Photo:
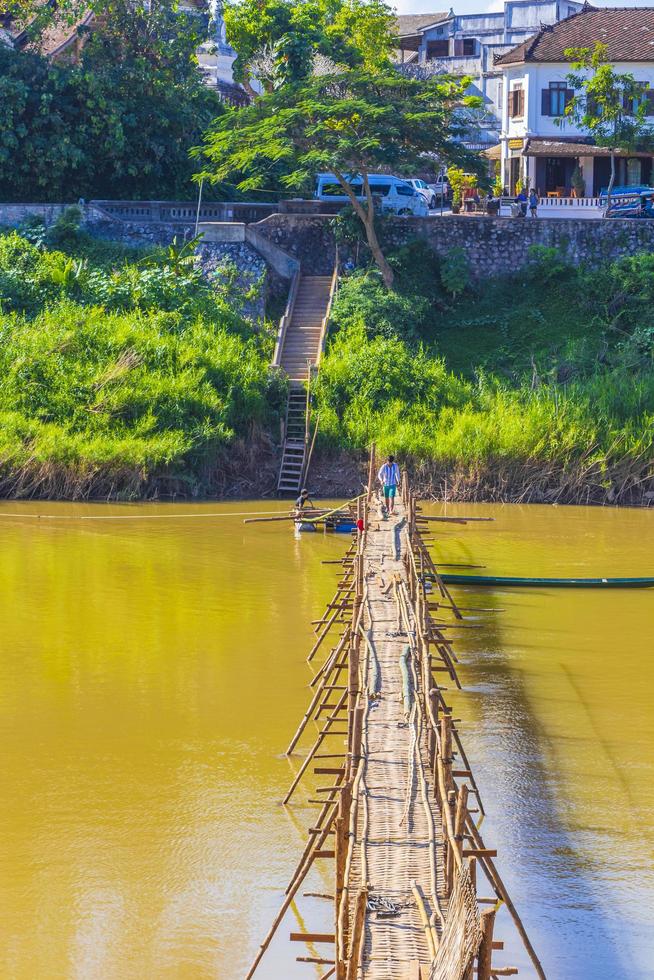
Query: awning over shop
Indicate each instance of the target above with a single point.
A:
(493, 152)
(561, 148)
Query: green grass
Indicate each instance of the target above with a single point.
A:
(125, 374)
(122, 377)
(538, 382)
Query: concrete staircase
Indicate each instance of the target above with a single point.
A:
(302, 338)
(297, 353)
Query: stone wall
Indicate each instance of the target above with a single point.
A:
(12, 214)
(493, 246)
(135, 233)
(500, 246)
(307, 238)
(242, 270)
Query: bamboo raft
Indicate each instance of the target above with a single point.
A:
(395, 821)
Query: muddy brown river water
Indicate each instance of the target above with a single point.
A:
(153, 669)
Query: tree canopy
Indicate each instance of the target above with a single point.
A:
(119, 123)
(278, 40)
(350, 123)
(611, 106)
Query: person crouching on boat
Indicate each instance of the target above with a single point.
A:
(389, 477)
(303, 501)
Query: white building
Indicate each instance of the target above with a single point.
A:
(534, 147)
(468, 44)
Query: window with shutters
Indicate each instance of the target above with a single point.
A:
(555, 99)
(469, 47)
(516, 103)
(633, 102)
(437, 49)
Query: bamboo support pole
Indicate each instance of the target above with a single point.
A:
(485, 954)
(330, 662)
(356, 944)
(301, 873)
(327, 812)
(322, 636)
(309, 712)
(316, 745)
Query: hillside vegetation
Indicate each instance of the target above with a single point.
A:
(122, 375)
(536, 387)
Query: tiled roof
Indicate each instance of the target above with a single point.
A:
(408, 24)
(628, 33)
(536, 147)
(54, 38)
(58, 36)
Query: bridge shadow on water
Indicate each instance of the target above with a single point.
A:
(546, 862)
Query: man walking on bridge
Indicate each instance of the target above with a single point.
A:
(389, 477)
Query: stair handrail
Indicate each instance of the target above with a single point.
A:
(286, 319)
(324, 327)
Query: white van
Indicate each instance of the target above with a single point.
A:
(397, 196)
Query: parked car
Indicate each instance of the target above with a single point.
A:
(397, 195)
(423, 188)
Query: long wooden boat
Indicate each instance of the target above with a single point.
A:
(572, 583)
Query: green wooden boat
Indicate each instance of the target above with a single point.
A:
(547, 583)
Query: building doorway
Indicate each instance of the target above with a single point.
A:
(558, 174)
(514, 174)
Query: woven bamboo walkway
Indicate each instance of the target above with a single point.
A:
(399, 814)
(398, 843)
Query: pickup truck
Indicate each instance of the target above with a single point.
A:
(440, 186)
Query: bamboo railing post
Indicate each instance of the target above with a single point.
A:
(356, 943)
(452, 844)
(355, 741)
(371, 474)
(342, 826)
(433, 744)
(446, 750)
(485, 953)
(460, 816)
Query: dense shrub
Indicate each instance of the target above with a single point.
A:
(113, 374)
(118, 124)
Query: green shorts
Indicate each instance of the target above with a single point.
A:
(389, 491)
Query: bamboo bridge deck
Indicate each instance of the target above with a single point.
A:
(397, 816)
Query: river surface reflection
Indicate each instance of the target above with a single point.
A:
(152, 671)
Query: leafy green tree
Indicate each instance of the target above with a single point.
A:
(119, 123)
(277, 40)
(351, 124)
(611, 106)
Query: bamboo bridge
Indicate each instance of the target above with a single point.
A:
(398, 821)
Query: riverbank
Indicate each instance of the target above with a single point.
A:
(128, 375)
